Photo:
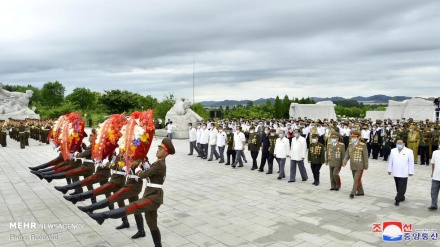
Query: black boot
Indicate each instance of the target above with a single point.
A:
(37, 174)
(124, 224)
(111, 206)
(68, 180)
(156, 238)
(140, 226)
(79, 197)
(54, 176)
(71, 186)
(101, 204)
(113, 214)
(93, 200)
(47, 172)
(78, 190)
(42, 166)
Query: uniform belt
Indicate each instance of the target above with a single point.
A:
(133, 176)
(119, 172)
(21, 132)
(154, 185)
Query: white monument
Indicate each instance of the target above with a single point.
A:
(320, 110)
(15, 105)
(374, 115)
(182, 115)
(415, 108)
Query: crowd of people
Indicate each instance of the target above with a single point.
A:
(328, 142)
(22, 130)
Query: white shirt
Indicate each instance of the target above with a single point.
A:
(282, 148)
(321, 131)
(199, 134)
(170, 128)
(239, 138)
(365, 134)
(192, 134)
(205, 136)
(298, 149)
(213, 136)
(221, 139)
(401, 164)
(436, 161)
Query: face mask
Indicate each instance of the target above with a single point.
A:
(220, 130)
(354, 140)
(399, 146)
(189, 127)
(266, 132)
(314, 140)
(432, 129)
(204, 127)
(227, 133)
(334, 141)
(251, 131)
(295, 135)
(280, 135)
(238, 131)
(272, 134)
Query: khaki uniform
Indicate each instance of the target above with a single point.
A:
(3, 134)
(413, 144)
(334, 158)
(358, 156)
(22, 136)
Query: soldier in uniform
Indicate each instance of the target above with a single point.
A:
(413, 142)
(230, 142)
(357, 153)
(387, 143)
(334, 159)
(26, 133)
(265, 143)
(21, 130)
(425, 141)
(153, 195)
(316, 157)
(3, 134)
(435, 133)
(271, 148)
(254, 143)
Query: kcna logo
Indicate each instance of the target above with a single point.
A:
(394, 231)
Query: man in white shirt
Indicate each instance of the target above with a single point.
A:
(281, 152)
(298, 152)
(192, 133)
(204, 142)
(221, 142)
(435, 185)
(213, 142)
(170, 128)
(239, 143)
(199, 138)
(365, 135)
(401, 165)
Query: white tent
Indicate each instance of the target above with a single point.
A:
(415, 108)
(320, 110)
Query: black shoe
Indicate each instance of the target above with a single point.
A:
(427, 164)
(396, 203)
(124, 224)
(240, 165)
(253, 168)
(314, 182)
(278, 171)
(358, 194)
(317, 183)
(190, 154)
(227, 164)
(268, 172)
(37, 174)
(61, 188)
(260, 170)
(336, 189)
(432, 208)
(101, 204)
(233, 166)
(304, 179)
(221, 162)
(199, 156)
(114, 214)
(332, 189)
(291, 181)
(156, 238)
(351, 196)
(245, 161)
(279, 178)
(140, 226)
(210, 160)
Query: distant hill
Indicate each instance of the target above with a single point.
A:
(375, 98)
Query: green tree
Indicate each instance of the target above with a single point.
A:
(286, 106)
(199, 109)
(278, 108)
(117, 101)
(82, 98)
(52, 94)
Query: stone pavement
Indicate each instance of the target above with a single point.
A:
(210, 204)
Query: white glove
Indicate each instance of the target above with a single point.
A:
(123, 168)
(75, 153)
(137, 170)
(105, 162)
(146, 165)
(113, 158)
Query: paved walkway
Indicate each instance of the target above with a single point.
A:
(210, 204)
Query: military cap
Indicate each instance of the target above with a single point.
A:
(315, 136)
(335, 134)
(93, 130)
(252, 128)
(168, 145)
(273, 130)
(355, 133)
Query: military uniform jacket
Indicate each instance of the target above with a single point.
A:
(316, 153)
(413, 137)
(397, 134)
(435, 137)
(335, 154)
(230, 141)
(254, 142)
(265, 143)
(376, 138)
(118, 179)
(358, 156)
(272, 142)
(156, 175)
(425, 138)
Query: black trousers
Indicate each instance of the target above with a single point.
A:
(424, 155)
(254, 155)
(375, 147)
(204, 150)
(386, 153)
(401, 188)
(346, 141)
(434, 147)
(264, 158)
(230, 153)
(315, 170)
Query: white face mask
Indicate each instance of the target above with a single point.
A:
(354, 140)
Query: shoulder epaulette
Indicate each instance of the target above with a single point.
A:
(361, 143)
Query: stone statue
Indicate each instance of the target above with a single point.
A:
(15, 105)
(181, 115)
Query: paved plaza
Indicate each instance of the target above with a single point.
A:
(210, 204)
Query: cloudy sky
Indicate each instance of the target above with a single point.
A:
(242, 49)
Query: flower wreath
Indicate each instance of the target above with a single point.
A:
(55, 131)
(136, 138)
(109, 133)
(72, 135)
